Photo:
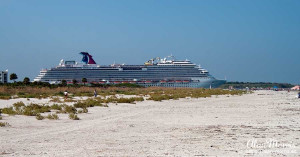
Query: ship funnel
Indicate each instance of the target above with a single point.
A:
(87, 58)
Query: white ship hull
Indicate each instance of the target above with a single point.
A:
(164, 73)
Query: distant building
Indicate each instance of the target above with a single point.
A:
(3, 76)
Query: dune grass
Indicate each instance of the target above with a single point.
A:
(52, 116)
(39, 117)
(56, 99)
(5, 96)
(114, 99)
(56, 107)
(106, 95)
(67, 109)
(19, 108)
(73, 116)
(9, 111)
(4, 124)
(88, 103)
(157, 93)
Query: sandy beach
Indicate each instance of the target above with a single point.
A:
(264, 123)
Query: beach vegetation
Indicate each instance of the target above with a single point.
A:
(73, 116)
(33, 109)
(68, 109)
(83, 110)
(5, 96)
(114, 99)
(129, 100)
(56, 99)
(52, 116)
(56, 107)
(20, 108)
(88, 103)
(69, 100)
(39, 117)
(9, 111)
(18, 105)
(4, 124)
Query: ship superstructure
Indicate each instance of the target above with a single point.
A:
(165, 72)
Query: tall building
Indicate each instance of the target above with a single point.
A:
(3, 76)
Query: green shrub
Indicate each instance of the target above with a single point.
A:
(53, 116)
(93, 102)
(18, 105)
(158, 97)
(39, 116)
(81, 104)
(5, 96)
(73, 116)
(125, 100)
(35, 108)
(56, 99)
(85, 110)
(0, 117)
(114, 99)
(29, 112)
(139, 99)
(9, 111)
(4, 124)
(69, 109)
(88, 103)
(56, 107)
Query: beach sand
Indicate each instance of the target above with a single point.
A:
(216, 126)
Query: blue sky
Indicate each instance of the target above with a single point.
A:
(242, 40)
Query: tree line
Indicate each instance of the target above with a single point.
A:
(26, 81)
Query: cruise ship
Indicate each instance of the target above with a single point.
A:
(162, 72)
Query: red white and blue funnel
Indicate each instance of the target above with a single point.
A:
(87, 58)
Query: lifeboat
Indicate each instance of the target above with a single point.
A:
(116, 82)
(163, 81)
(148, 81)
(178, 81)
(186, 81)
